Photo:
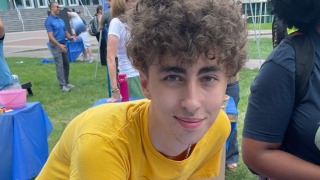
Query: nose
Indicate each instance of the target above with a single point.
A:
(191, 97)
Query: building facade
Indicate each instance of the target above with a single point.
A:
(257, 11)
(31, 4)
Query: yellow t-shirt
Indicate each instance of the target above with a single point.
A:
(112, 142)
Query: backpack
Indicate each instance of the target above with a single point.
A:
(305, 55)
(93, 26)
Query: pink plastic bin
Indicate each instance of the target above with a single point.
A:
(13, 98)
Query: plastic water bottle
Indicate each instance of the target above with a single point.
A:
(124, 87)
(15, 81)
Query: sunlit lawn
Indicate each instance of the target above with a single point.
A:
(259, 48)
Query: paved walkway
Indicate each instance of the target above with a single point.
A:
(33, 44)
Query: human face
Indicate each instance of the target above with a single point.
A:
(185, 100)
(55, 8)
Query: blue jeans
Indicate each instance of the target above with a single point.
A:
(232, 155)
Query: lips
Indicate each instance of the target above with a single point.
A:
(189, 123)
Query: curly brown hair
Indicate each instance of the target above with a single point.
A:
(186, 29)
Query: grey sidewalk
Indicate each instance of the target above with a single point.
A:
(33, 44)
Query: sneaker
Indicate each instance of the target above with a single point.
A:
(232, 166)
(91, 60)
(65, 89)
(70, 86)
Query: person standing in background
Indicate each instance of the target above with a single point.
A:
(106, 18)
(84, 35)
(118, 36)
(76, 23)
(5, 74)
(79, 13)
(105, 22)
(233, 90)
(57, 34)
(103, 43)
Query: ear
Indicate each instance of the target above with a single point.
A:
(145, 84)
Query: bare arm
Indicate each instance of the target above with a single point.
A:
(1, 28)
(112, 48)
(101, 27)
(69, 36)
(101, 24)
(72, 29)
(99, 18)
(268, 160)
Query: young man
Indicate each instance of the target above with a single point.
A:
(5, 75)
(281, 135)
(57, 34)
(185, 51)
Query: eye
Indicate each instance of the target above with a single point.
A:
(172, 78)
(208, 79)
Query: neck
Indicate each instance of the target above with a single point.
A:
(182, 156)
(54, 14)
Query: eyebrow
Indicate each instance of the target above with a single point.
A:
(175, 69)
(209, 69)
(180, 70)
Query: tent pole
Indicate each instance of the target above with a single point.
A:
(257, 39)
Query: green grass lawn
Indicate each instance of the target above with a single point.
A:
(63, 107)
(262, 26)
(262, 44)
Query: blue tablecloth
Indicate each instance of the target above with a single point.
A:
(75, 48)
(23, 142)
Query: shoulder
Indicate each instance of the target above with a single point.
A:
(115, 21)
(220, 129)
(108, 120)
(284, 56)
(115, 25)
(49, 18)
